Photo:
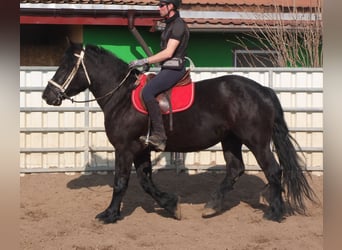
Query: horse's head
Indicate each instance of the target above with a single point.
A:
(70, 78)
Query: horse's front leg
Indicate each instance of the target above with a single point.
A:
(123, 166)
(170, 202)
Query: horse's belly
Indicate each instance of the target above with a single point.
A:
(191, 142)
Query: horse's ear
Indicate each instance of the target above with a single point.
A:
(69, 42)
(67, 39)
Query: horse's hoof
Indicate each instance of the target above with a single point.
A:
(209, 212)
(272, 216)
(102, 215)
(106, 218)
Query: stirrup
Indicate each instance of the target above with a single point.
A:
(160, 146)
(144, 139)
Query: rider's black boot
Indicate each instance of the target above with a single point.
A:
(157, 139)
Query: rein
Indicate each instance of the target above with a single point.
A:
(63, 87)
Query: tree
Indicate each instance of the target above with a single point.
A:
(291, 35)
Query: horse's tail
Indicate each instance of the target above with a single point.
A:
(294, 181)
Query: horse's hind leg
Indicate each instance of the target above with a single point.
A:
(169, 202)
(231, 147)
(273, 173)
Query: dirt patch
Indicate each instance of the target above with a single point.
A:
(57, 212)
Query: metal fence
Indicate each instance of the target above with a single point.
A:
(72, 137)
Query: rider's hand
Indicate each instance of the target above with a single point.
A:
(138, 63)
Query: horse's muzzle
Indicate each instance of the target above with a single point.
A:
(53, 96)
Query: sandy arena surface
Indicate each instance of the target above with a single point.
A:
(57, 211)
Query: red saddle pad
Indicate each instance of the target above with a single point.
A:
(181, 97)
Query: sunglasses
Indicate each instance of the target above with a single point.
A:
(161, 5)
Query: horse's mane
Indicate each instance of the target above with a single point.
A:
(111, 66)
(106, 55)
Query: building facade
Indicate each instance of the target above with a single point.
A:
(131, 29)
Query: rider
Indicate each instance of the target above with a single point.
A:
(174, 42)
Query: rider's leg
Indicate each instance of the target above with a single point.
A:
(163, 81)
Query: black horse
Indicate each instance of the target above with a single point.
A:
(231, 109)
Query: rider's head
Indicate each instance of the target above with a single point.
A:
(176, 3)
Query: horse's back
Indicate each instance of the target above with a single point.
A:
(223, 105)
(232, 91)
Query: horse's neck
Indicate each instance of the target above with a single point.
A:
(107, 78)
(112, 93)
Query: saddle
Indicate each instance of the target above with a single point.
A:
(178, 98)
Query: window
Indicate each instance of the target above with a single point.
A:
(256, 58)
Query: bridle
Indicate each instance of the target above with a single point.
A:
(80, 62)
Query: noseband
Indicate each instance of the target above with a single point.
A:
(80, 62)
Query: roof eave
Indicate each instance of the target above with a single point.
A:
(97, 14)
